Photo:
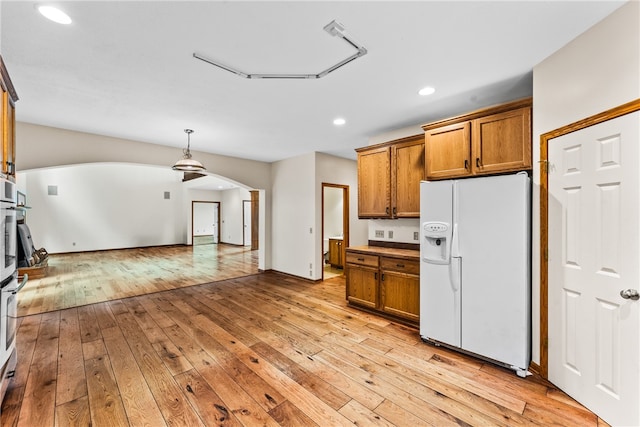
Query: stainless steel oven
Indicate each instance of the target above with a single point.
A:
(8, 283)
(9, 315)
(8, 239)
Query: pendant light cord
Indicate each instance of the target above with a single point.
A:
(187, 152)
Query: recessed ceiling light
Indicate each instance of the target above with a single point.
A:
(426, 91)
(54, 14)
(339, 121)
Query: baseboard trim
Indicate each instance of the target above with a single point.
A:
(305, 279)
(121, 249)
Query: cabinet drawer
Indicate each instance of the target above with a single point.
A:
(401, 265)
(362, 259)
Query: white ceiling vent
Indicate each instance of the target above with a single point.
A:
(333, 28)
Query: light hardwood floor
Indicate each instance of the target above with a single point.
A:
(78, 279)
(264, 349)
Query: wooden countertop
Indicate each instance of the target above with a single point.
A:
(388, 252)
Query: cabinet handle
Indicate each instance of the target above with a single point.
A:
(466, 164)
(387, 210)
(382, 277)
(361, 259)
(394, 210)
(375, 276)
(477, 162)
(400, 265)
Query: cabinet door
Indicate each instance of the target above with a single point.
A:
(448, 151)
(362, 285)
(374, 183)
(9, 145)
(3, 127)
(502, 142)
(408, 171)
(400, 295)
(335, 253)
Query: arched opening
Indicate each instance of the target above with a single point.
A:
(101, 207)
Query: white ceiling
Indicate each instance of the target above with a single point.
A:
(125, 69)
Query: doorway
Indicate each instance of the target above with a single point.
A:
(205, 223)
(335, 228)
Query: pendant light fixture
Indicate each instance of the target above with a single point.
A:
(186, 163)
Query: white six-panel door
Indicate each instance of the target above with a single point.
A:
(594, 217)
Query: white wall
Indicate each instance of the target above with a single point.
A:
(103, 206)
(337, 170)
(396, 134)
(294, 220)
(113, 205)
(42, 146)
(598, 70)
(395, 230)
(332, 214)
(231, 213)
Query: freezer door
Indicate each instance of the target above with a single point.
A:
(439, 276)
(494, 242)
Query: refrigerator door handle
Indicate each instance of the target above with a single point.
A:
(455, 268)
(455, 248)
(455, 273)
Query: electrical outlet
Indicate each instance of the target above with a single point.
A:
(310, 265)
(416, 235)
(380, 233)
(310, 230)
(390, 234)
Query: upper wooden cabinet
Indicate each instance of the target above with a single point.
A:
(488, 141)
(448, 151)
(389, 178)
(7, 121)
(374, 183)
(407, 170)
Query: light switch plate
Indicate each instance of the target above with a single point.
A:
(380, 233)
(416, 235)
(390, 234)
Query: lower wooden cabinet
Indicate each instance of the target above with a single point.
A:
(400, 288)
(388, 285)
(362, 285)
(335, 253)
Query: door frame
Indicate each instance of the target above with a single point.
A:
(244, 224)
(255, 220)
(193, 202)
(345, 221)
(545, 139)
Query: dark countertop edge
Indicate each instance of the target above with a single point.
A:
(412, 254)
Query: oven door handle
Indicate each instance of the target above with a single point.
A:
(24, 282)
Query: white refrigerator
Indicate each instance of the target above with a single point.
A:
(475, 269)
